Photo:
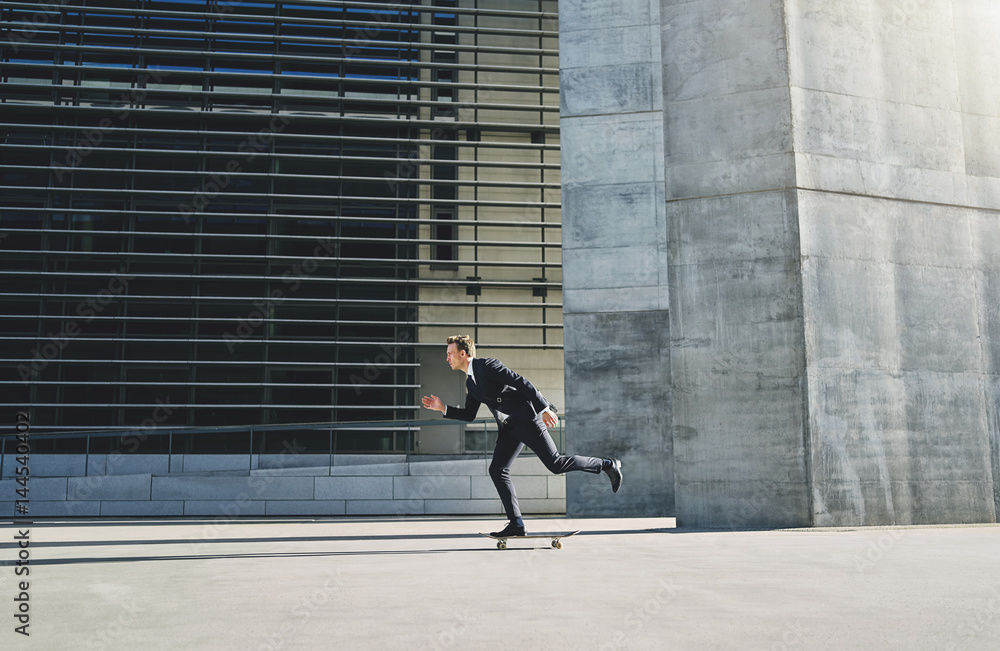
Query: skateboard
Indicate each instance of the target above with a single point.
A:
(502, 542)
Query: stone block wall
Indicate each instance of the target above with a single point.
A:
(614, 254)
(353, 485)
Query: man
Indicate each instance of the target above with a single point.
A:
(523, 416)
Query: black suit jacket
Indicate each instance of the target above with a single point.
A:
(500, 389)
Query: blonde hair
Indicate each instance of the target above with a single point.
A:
(464, 342)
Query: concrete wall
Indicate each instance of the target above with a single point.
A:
(895, 124)
(832, 187)
(831, 318)
(614, 254)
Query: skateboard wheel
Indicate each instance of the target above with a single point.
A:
(557, 544)
(502, 544)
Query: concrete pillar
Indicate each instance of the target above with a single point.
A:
(737, 353)
(832, 187)
(895, 124)
(614, 255)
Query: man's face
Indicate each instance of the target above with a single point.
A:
(456, 357)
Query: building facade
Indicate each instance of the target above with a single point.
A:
(233, 213)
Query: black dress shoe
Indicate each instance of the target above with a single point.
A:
(615, 473)
(510, 531)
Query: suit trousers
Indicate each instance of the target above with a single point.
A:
(511, 439)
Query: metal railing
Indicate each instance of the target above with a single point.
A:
(485, 426)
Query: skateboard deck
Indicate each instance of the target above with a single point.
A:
(502, 541)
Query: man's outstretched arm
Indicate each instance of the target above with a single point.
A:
(467, 413)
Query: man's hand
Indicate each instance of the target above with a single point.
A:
(550, 419)
(433, 402)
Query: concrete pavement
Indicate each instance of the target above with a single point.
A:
(432, 583)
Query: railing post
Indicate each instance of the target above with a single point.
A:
(331, 447)
(250, 457)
